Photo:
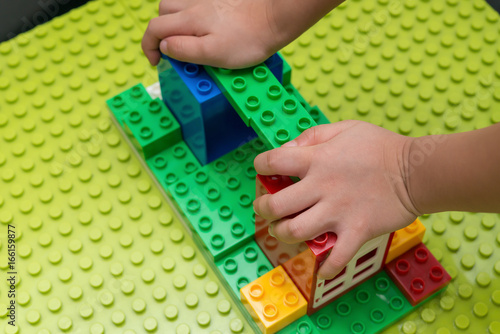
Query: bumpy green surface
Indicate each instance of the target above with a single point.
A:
(98, 248)
(414, 67)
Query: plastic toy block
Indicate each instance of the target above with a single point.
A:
(275, 65)
(201, 109)
(368, 308)
(217, 200)
(131, 99)
(152, 127)
(173, 164)
(244, 265)
(404, 239)
(316, 114)
(303, 325)
(418, 274)
(273, 300)
(263, 103)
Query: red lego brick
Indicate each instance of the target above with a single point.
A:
(418, 274)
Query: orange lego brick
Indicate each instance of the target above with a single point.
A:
(405, 239)
(273, 300)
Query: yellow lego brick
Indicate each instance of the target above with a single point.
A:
(273, 300)
(405, 239)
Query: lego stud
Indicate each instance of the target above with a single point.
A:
(402, 267)
(260, 73)
(232, 183)
(245, 200)
(225, 212)
(362, 296)
(382, 284)
(250, 254)
(321, 240)
(217, 241)
(314, 114)
(436, 273)
(187, 111)
(212, 193)
(136, 92)
(274, 92)
(291, 299)
(118, 101)
(160, 162)
(179, 152)
(358, 328)
(205, 223)
(165, 122)
(412, 227)
(154, 107)
(239, 84)
(170, 178)
(220, 166)
(324, 321)
(193, 205)
(277, 279)
(270, 242)
(239, 155)
(237, 230)
(298, 266)
(289, 106)
(241, 282)
(270, 311)
(417, 285)
(252, 103)
(421, 255)
(191, 70)
(303, 124)
(230, 266)
(250, 172)
(256, 291)
(267, 117)
(377, 315)
(134, 116)
(181, 188)
(204, 87)
(190, 167)
(396, 303)
(146, 132)
(282, 136)
(343, 308)
(201, 177)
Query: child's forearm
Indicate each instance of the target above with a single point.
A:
(456, 172)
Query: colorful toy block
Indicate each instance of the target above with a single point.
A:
(263, 103)
(243, 265)
(152, 128)
(418, 274)
(368, 308)
(273, 301)
(130, 99)
(201, 109)
(405, 238)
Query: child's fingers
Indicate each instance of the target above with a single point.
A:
(170, 6)
(292, 161)
(293, 199)
(191, 49)
(162, 27)
(347, 245)
(320, 134)
(305, 226)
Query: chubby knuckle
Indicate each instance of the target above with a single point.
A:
(274, 206)
(296, 229)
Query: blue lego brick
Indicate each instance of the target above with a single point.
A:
(368, 308)
(244, 265)
(303, 325)
(217, 200)
(210, 126)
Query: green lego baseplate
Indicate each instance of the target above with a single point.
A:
(412, 67)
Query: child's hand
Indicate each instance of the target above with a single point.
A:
(228, 33)
(352, 183)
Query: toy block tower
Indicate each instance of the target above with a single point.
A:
(303, 260)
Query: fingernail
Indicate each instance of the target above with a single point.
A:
(291, 143)
(270, 230)
(163, 47)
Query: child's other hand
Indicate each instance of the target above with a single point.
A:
(228, 33)
(352, 183)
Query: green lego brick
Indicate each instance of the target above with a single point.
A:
(303, 325)
(244, 265)
(98, 248)
(316, 114)
(152, 128)
(368, 308)
(131, 99)
(173, 164)
(217, 200)
(263, 103)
